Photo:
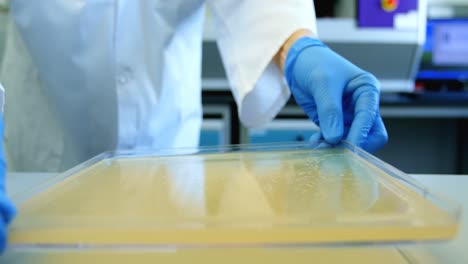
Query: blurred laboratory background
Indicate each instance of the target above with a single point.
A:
(418, 52)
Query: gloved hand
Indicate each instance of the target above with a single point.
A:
(341, 98)
(7, 209)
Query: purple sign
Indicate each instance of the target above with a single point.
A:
(381, 13)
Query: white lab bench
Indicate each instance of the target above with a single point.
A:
(453, 187)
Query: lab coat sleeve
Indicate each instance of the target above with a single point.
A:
(249, 33)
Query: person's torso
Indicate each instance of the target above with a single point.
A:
(116, 73)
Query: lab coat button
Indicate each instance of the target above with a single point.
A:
(122, 79)
(125, 75)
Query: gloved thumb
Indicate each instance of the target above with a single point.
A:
(330, 114)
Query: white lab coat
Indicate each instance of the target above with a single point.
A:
(83, 77)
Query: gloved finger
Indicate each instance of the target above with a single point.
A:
(315, 139)
(330, 115)
(307, 103)
(312, 114)
(317, 142)
(365, 112)
(346, 131)
(324, 145)
(377, 137)
(7, 208)
(314, 117)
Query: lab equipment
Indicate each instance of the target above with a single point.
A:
(445, 56)
(341, 98)
(387, 13)
(7, 209)
(211, 133)
(386, 43)
(216, 125)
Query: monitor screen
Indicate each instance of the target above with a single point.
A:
(445, 54)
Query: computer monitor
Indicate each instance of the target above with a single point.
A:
(445, 53)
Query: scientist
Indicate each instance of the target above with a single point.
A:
(83, 77)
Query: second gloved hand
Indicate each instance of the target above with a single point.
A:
(341, 98)
(7, 209)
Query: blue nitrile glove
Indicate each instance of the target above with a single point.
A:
(7, 209)
(341, 98)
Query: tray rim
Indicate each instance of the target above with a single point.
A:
(452, 209)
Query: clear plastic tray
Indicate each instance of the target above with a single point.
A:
(253, 195)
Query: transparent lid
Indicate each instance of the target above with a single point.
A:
(234, 195)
